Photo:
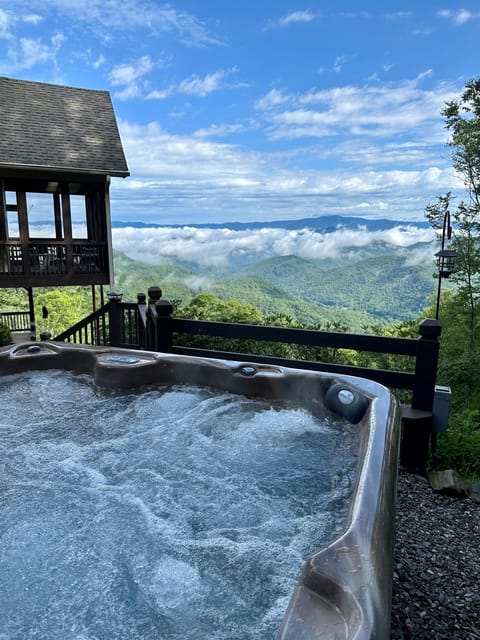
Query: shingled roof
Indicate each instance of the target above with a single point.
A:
(54, 128)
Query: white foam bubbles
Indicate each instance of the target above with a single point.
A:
(176, 584)
(171, 512)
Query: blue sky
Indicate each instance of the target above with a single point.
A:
(261, 110)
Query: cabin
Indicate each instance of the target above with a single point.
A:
(59, 148)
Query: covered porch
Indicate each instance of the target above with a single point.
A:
(54, 233)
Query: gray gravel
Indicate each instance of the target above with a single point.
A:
(436, 582)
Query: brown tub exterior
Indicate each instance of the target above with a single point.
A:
(345, 589)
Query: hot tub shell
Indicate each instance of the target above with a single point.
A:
(344, 590)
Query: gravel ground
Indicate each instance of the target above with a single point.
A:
(436, 582)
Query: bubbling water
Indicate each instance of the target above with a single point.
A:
(172, 513)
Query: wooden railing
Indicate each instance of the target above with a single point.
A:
(16, 320)
(94, 329)
(114, 324)
(152, 327)
(48, 257)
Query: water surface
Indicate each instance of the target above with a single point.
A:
(172, 514)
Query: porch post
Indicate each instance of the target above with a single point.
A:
(108, 220)
(31, 312)
(23, 230)
(3, 228)
(67, 227)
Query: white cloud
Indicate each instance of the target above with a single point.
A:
(273, 98)
(374, 154)
(129, 75)
(7, 20)
(128, 16)
(420, 255)
(154, 153)
(354, 14)
(338, 64)
(99, 62)
(180, 178)
(216, 247)
(292, 18)
(28, 52)
(460, 17)
(32, 18)
(196, 85)
(336, 67)
(371, 111)
(125, 74)
(219, 130)
(202, 86)
(196, 283)
(425, 31)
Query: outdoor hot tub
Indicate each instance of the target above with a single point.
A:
(72, 510)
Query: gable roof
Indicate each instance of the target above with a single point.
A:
(59, 129)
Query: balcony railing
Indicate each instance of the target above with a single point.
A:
(52, 257)
(46, 262)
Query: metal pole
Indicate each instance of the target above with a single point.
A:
(444, 230)
(438, 295)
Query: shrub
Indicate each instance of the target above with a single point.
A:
(5, 335)
(459, 447)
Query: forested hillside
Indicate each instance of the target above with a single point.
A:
(380, 289)
(384, 286)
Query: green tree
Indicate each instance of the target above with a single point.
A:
(65, 305)
(206, 306)
(460, 338)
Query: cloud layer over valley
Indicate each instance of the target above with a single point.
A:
(209, 247)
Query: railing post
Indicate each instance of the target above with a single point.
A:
(164, 309)
(426, 365)
(417, 420)
(154, 294)
(115, 318)
(142, 320)
(159, 321)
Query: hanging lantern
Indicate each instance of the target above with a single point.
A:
(446, 262)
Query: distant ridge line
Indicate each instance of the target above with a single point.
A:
(326, 224)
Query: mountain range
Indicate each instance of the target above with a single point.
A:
(321, 224)
(375, 284)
